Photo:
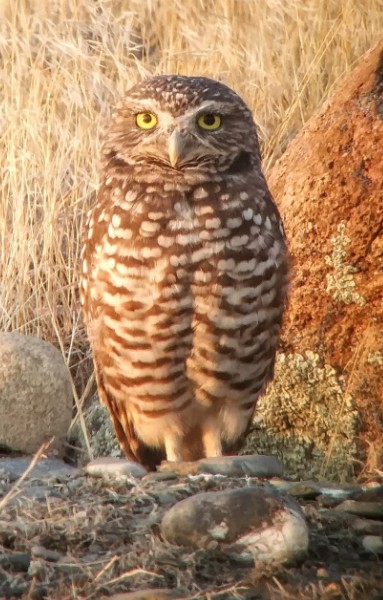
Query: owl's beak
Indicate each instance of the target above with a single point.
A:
(176, 147)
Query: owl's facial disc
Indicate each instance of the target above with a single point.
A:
(183, 140)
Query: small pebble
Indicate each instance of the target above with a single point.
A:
(117, 468)
(373, 544)
(322, 573)
(165, 498)
(45, 553)
(37, 569)
(333, 591)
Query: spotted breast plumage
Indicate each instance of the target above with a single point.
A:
(184, 271)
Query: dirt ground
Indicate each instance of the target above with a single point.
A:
(87, 538)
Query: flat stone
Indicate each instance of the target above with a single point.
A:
(367, 526)
(19, 561)
(373, 544)
(118, 468)
(339, 491)
(307, 489)
(373, 510)
(253, 465)
(259, 524)
(45, 468)
(35, 394)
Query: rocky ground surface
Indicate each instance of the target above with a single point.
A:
(217, 529)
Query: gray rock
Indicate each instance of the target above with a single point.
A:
(374, 510)
(45, 468)
(35, 394)
(252, 465)
(250, 521)
(118, 468)
(373, 544)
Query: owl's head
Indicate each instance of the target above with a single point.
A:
(183, 124)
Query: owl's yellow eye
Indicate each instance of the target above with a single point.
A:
(209, 122)
(146, 120)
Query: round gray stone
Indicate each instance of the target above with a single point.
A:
(373, 544)
(35, 394)
(252, 522)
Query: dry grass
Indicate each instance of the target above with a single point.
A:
(63, 63)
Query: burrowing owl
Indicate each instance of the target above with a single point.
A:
(184, 271)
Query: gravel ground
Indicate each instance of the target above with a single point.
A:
(74, 536)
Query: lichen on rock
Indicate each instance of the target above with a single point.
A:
(307, 418)
(341, 283)
(102, 438)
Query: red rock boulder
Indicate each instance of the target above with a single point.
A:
(329, 188)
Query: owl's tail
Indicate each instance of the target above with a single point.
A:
(131, 444)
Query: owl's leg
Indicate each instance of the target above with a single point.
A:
(173, 448)
(211, 440)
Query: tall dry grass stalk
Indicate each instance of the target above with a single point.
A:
(63, 63)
